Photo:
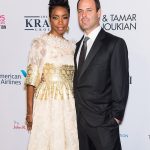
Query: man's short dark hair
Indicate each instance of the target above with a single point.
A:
(97, 4)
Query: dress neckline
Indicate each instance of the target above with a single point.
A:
(56, 37)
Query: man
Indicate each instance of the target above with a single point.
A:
(101, 81)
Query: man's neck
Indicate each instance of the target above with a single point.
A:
(87, 32)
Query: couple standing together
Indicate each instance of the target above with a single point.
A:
(76, 95)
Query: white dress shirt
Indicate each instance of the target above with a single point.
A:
(92, 35)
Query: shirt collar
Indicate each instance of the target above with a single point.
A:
(92, 35)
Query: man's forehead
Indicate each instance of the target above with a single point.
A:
(87, 4)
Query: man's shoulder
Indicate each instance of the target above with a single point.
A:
(114, 41)
(112, 37)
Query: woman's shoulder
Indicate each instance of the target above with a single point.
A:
(40, 40)
(38, 45)
(72, 42)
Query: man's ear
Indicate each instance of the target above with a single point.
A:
(99, 13)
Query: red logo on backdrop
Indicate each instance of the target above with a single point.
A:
(2, 22)
(18, 126)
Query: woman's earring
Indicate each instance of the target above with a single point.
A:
(67, 30)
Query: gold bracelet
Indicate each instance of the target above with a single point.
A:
(28, 122)
(29, 115)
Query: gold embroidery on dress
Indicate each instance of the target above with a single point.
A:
(33, 76)
(56, 82)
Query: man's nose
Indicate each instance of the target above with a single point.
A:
(84, 14)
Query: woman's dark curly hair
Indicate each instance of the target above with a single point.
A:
(61, 3)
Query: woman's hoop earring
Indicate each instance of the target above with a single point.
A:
(67, 30)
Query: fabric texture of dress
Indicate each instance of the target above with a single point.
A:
(50, 70)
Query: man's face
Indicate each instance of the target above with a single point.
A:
(88, 16)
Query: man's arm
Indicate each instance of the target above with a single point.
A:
(119, 79)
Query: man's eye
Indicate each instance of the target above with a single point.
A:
(79, 11)
(66, 17)
(89, 10)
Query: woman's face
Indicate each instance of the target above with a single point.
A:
(59, 20)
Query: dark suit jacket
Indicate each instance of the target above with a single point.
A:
(101, 88)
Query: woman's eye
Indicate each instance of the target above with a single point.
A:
(55, 17)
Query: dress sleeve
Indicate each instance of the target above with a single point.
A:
(33, 67)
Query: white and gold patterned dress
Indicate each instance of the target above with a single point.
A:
(50, 70)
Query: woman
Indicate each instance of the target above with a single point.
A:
(51, 116)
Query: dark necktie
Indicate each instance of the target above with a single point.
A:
(82, 54)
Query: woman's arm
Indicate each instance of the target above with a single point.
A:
(30, 95)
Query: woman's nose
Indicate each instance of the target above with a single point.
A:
(60, 21)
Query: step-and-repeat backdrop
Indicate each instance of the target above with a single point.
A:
(21, 21)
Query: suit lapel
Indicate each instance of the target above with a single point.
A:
(76, 52)
(93, 51)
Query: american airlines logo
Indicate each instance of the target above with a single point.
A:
(24, 73)
(12, 78)
(36, 23)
